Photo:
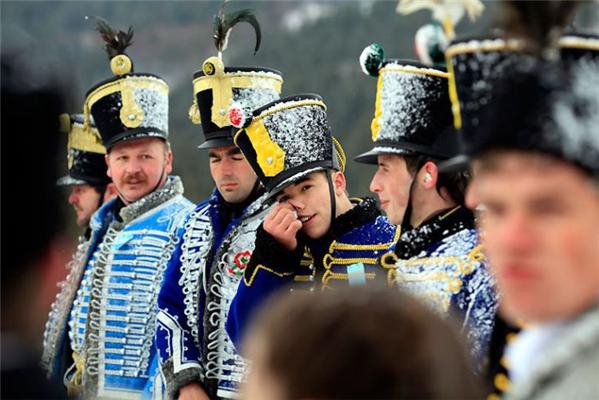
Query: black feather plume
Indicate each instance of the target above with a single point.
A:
(539, 23)
(116, 42)
(225, 21)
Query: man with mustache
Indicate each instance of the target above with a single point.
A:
(87, 181)
(100, 335)
(437, 257)
(197, 359)
(290, 146)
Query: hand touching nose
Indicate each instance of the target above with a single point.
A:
(282, 223)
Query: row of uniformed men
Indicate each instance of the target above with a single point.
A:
(157, 284)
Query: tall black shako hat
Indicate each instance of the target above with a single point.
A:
(547, 108)
(129, 105)
(412, 110)
(85, 153)
(475, 65)
(216, 88)
(286, 140)
(531, 31)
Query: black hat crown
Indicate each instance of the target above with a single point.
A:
(217, 88)
(555, 112)
(129, 105)
(412, 110)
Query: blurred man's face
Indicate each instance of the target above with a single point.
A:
(541, 233)
(85, 200)
(139, 166)
(232, 174)
(391, 183)
(311, 199)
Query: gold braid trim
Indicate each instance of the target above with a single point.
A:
(248, 282)
(364, 247)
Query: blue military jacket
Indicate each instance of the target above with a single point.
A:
(104, 316)
(358, 238)
(441, 262)
(200, 283)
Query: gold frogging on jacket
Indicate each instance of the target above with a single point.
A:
(222, 84)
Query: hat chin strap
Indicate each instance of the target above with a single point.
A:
(408, 213)
(333, 202)
(127, 201)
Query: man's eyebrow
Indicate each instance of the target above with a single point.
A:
(233, 152)
(307, 178)
(212, 154)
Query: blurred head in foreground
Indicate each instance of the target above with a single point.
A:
(355, 343)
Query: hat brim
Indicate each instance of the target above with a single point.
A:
(291, 180)
(217, 142)
(68, 180)
(371, 156)
(459, 163)
(135, 135)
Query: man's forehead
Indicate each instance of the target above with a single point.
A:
(137, 145)
(390, 158)
(224, 151)
(308, 178)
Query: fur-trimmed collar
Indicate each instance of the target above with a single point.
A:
(413, 241)
(363, 212)
(173, 187)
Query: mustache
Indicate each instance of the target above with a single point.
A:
(134, 178)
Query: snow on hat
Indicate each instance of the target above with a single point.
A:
(286, 140)
(412, 110)
(217, 88)
(129, 105)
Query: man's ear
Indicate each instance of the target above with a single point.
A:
(339, 182)
(169, 162)
(107, 165)
(429, 174)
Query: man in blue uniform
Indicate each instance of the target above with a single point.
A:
(289, 145)
(197, 359)
(89, 186)
(100, 339)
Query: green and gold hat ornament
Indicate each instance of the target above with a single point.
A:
(287, 139)
(85, 153)
(217, 87)
(130, 105)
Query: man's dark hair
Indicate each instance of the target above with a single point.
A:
(455, 183)
(360, 343)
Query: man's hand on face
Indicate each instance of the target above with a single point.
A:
(282, 224)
